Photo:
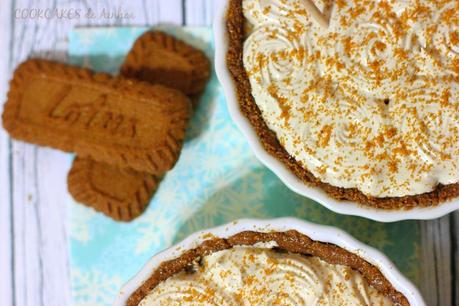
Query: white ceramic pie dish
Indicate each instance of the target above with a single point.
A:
(316, 232)
(286, 176)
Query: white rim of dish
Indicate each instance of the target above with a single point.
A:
(281, 171)
(317, 232)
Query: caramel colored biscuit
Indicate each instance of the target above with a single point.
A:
(110, 119)
(159, 58)
(143, 56)
(121, 194)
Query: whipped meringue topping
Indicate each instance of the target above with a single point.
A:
(372, 101)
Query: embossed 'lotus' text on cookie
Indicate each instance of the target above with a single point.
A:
(123, 194)
(92, 115)
(112, 120)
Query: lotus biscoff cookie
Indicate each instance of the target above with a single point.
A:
(121, 194)
(110, 119)
(86, 180)
(160, 58)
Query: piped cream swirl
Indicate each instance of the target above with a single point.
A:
(370, 103)
(261, 276)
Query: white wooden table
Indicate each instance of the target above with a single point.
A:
(33, 241)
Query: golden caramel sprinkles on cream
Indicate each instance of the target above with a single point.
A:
(372, 101)
(257, 275)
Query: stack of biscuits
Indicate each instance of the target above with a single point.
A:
(127, 130)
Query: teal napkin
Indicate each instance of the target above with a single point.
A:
(216, 180)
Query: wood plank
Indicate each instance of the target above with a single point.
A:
(200, 12)
(436, 268)
(6, 232)
(39, 185)
(41, 264)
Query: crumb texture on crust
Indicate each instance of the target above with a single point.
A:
(235, 26)
(110, 119)
(290, 241)
(159, 58)
(121, 194)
